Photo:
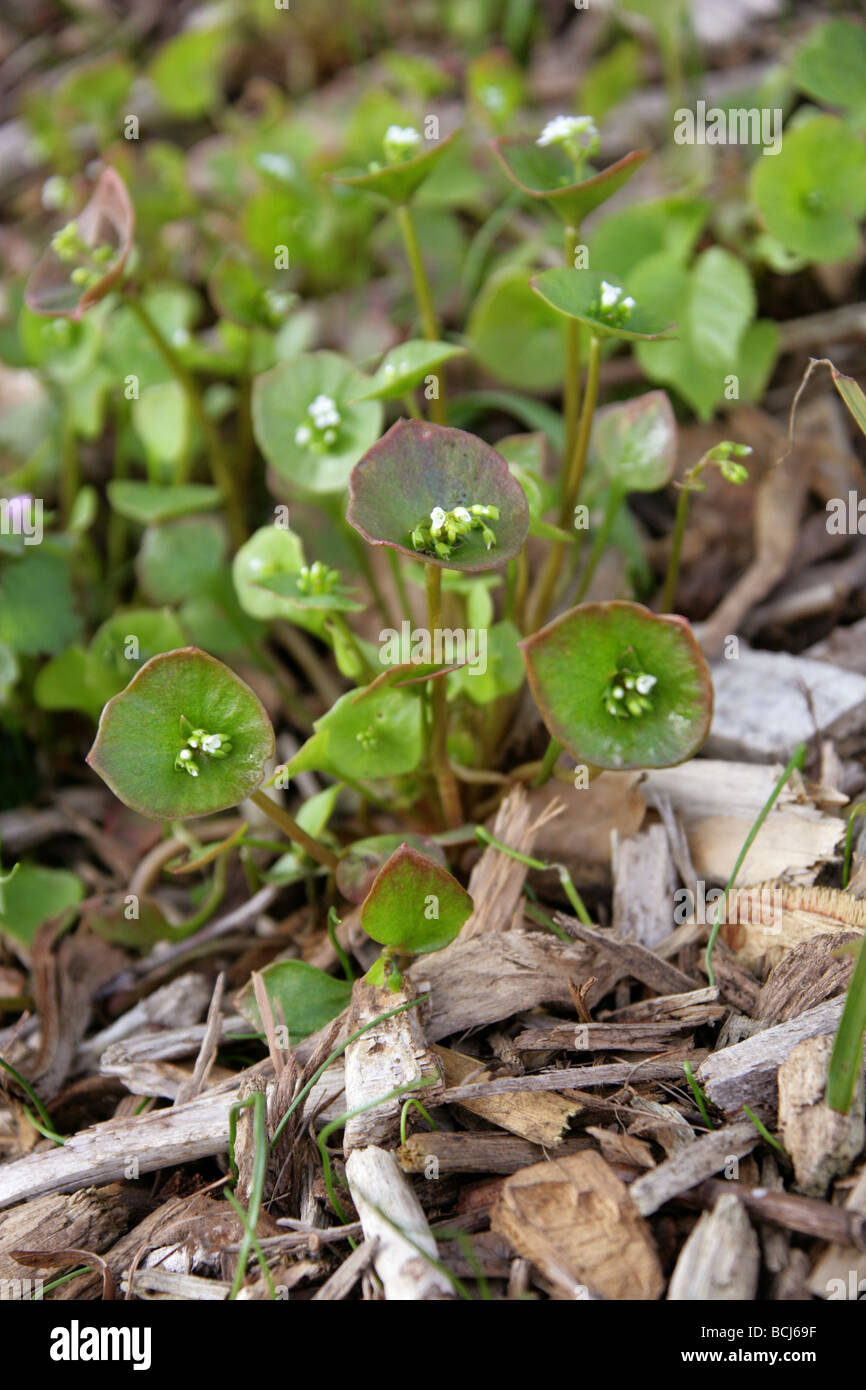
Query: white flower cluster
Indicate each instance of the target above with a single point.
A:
(400, 142)
(578, 136)
(612, 296)
(324, 420)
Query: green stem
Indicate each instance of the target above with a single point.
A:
(290, 827)
(615, 500)
(676, 551)
(548, 762)
(219, 463)
(399, 582)
(423, 299)
(572, 357)
(46, 1126)
(571, 488)
(411, 408)
(449, 792)
(847, 1051)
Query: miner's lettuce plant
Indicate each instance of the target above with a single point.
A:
(303, 405)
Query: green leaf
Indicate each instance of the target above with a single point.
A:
(636, 442)
(362, 861)
(148, 503)
(500, 673)
(405, 367)
(416, 467)
(577, 295)
(624, 239)
(127, 640)
(301, 995)
(847, 1055)
(143, 730)
(399, 182)
(238, 294)
(852, 395)
(721, 306)
(74, 680)
(281, 398)
(35, 894)
(572, 662)
(829, 65)
(515, 336)
(813, 194)
(186, 72)
(546, 171)
(162, 422)
(368, 734)
(414, 904)
(177, 559)
(271, 551)
(291, 587)
(107, 916)
(496, 87)
(37, 612)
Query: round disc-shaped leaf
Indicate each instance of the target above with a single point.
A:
(281, 401)
(108, 219)
(546, 171)
(572, 661)
(398, 182)
(270, 551)
(813, 192)
(416, 467)
(636, 442)
(414, 904)
(141, 734)
(577, 294)
(149, 503)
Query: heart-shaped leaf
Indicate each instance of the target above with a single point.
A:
(362, 861)
(399, 181)
(76, 271)
(301, 995)
(585, 294)
(621, 687)
(545, 171)
(636, 442)
(416, 468)
(414, 905)
(405, 367)
(305, 424)
(161, 743)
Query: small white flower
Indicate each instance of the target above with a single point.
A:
(617, 692)
(257, 563)
(402, 135)
(644, 684)
(184, 755)
(390, 369)
(462, 514)
(563, 128)
(610, 295)
(627, 303)
(303, 435)
(211, 743)
(437, 520)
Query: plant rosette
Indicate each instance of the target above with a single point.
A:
(309, 422)
(556, 172)
(88, 256)
(439, 495)
(406, 165)
(187, 737)
(601, 302)
(620, 687)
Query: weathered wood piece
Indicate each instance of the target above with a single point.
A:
(692, 1164)
(384, 1059)
(469, 1151)
(643, 886)
(537, 1116)
(631, 958)
(822, 1143)
(390, 1212)
(574, 1220)
(745, 1074)
(721, 1260)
